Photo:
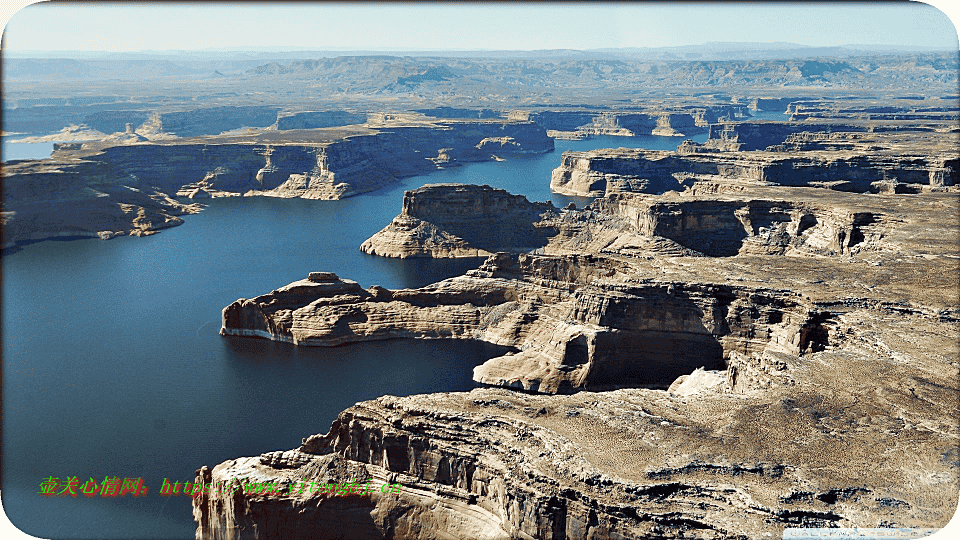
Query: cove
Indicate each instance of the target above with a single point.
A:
(112, 364)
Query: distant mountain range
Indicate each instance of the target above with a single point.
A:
(446, 75)
(705, 51)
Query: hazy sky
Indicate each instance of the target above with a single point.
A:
(425, 26)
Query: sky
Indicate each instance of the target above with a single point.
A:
(130, 27)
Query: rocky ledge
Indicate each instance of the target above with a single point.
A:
(718, 347)
(856, 438)
(573, 330)
(461, 220)
(43, 201)
(599, 172)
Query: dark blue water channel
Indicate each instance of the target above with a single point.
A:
(113, 365)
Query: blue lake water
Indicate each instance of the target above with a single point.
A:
(777, 116)
(113, 365)
(13, 151)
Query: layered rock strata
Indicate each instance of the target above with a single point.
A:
(760, 408)
(460, 220)
(669, 123)
(44, 201)
(706, 225)
(572, 332)
(454, 220)
(856, 441)
(599, 172)
(319, 119)
(44, 198)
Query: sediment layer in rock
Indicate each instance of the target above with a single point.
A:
(796, 371)
(599, 172)
(45, 198)
(461, 220)
(842, 446)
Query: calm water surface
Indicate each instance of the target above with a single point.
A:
(14, 151)
(112, 364)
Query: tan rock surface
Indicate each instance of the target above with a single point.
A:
(462, 220)
(812, 335)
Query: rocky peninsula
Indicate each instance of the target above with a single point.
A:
(460, 220)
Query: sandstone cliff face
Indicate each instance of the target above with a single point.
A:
(216, 120)
(77, 200)
(704, 226)
(571, 331)
(700, 462)
(458, 220)
(329, 169)
(746, 386)
(665, 123)
(598, 172)
(319, 119)
(45, 198)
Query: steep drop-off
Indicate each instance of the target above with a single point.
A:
(44, 198)
(796, 376)
(598, 172)
(461, 220)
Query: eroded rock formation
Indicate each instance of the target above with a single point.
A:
(598, 172)
(43, 201)
(770, 355)
(47, 198)
(459, 220)
(824, 440)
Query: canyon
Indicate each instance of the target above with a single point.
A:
(315, 164)
(747, 333)
(710, 349)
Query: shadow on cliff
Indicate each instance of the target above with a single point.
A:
(653, 342)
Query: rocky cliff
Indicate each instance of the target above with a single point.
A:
(599, 172)
(459, 220)
(53, 197)
(626, 123)
(328, 165)
(44, 200)
(319, 119)
(770, 356)
(571, 332)
(809, 442)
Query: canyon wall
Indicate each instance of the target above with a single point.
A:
(569, 335)
(461, 220)
(43, 198)
(84, 200)
(319, 119)
(599, 172)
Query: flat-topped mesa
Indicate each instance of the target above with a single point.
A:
(319, 119)
(666, 122)
(637, 225)
(598, 172)
(572, 331)
(325, 310)
(368, 160)
(463, 220)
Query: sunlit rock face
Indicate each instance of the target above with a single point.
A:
(460, 220)
(130, 185)
(721, 360)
